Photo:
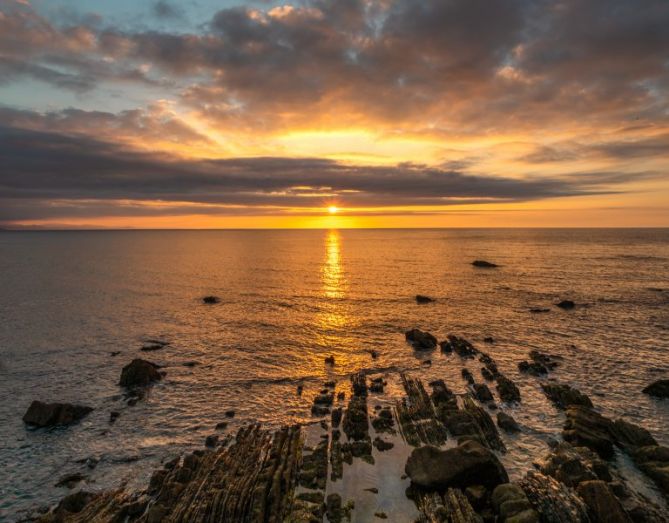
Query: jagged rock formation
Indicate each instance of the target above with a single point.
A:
(417, 416)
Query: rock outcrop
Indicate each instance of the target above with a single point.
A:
(467, 464)
(40, 414)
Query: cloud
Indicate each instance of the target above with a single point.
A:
(47, 174)
(165, 9)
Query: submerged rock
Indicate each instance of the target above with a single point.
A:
(566, 305)
(467, 464)
(507, 423)
(423, 299)
(41, 414)
(484, 264)
(210, 300)
(421, 340)
(659, 389)
(139, 373)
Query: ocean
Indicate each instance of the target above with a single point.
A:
(290, 298)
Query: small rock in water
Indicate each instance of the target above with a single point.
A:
(222, 425)
(115, 353)
(566, 305)
(539, 311)
(329, 360)
(658, 389)
(420, 340)
(484, 264)
(382, 445)
(41, 414)
(488, 339)
(230, 413)
(300, 389)
(506, 422)
(113, 416)
(423, 299)
(211, 441)
(210, 300)
(139, 373)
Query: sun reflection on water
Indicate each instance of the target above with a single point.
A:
(332, 273)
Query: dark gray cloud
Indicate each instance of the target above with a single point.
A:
(165, 9)
(47, 174)
(468, 63)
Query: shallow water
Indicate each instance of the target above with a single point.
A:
(289, 298)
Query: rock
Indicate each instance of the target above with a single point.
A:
(229, 413)
(461, 466)
(658, 389)
(421, 340)
(113, 416)
(556, 502)
(467, 376)
(221, 425)
(210, 300)
(573, 465)
(566, 305)
(211, 441)
(603, 506)
(477, 496)
(74, 503)
(630, 436)
(423, 299)
(484, 264)
(333, 508)
(329, 360)
(488, 339)
(539, 310)
(563, 395)
(482, 392)
(511, 504)
(115, 353)
(585, 427)
(534, 368)
(507, 389)
(382, 445)
(41, 414)
(654, 461)
(70, 480)
(139, 373)
(460, 346)
(487, 375)
(506, 422)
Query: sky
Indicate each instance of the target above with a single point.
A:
(334, 113)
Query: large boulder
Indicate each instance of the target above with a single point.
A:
(421, 340)
(139, 373)
(41, 414)
(467, 464)
(659, 389)
(603, 506)
(654, 461)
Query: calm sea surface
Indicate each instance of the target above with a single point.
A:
(288, 299)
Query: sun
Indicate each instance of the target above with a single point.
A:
(333, 209)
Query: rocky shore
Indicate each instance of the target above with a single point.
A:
(430, 456)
